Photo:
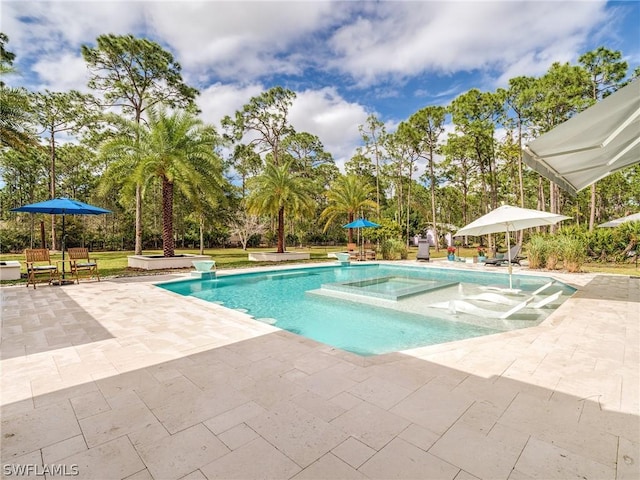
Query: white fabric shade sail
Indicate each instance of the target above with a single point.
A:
(595, 143)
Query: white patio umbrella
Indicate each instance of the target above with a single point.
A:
(509, 219)
(618, 221)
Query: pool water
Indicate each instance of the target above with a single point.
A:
(364, 309)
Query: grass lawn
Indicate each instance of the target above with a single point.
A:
(115, 263)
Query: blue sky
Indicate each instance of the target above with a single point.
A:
(344, 60)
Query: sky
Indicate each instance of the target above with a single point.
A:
(345, 60)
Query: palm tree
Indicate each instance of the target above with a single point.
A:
(348, 195)
(14, 118)
(178, 149)
(278, 191)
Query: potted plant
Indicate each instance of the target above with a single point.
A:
(482, 254)
(451, 253)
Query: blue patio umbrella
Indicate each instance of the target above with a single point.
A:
(361, 223)
(62, 206)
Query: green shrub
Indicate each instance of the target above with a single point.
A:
(393, 249)
(537, 251)
(14, 240)
(388, 229)
(601, 243)
(573, 252)
(552, 249)
(629, 234)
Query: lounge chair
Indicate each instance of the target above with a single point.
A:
(39, 264)
(423, 249)
(547, 300)
(501, 298)
(491, 298)
(515, 257)
(463, 306)
(80, 262)
(543, 287)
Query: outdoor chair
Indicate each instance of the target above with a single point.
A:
(515, 257)
(369, 254)
(39, 264)
(80, 263)
(423, 249)
(352, 249)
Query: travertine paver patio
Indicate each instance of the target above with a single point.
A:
(121, 379)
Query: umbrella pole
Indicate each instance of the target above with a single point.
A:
(509, 258)
(63, 246)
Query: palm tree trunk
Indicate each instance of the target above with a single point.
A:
(201, 234)
(281, 230)
(351, 217)
(167, 218)
(138, 246)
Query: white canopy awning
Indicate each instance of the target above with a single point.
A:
(595, 143)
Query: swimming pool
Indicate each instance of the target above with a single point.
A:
(375, 308)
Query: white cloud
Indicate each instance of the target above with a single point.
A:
(231, 49)
(220, 100)
(234, 40)
(334, 120)
(66, 72)
(408, 38)
(47, 36)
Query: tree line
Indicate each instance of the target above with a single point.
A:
(137, 146)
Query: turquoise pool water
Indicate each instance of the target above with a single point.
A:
(364, 309)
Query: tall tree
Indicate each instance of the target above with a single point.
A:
(474, 114)
(265, 117)
(427, 124)
(606, 71)
(57, 113)
(374, 136)
(518, 98)
(136, 74)
(280, 192)
(459, 169)
(246, 162)
(307, 152)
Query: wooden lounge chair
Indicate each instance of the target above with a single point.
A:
(515, 257)
(39, 263)
(352, 249)
(81, 262)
